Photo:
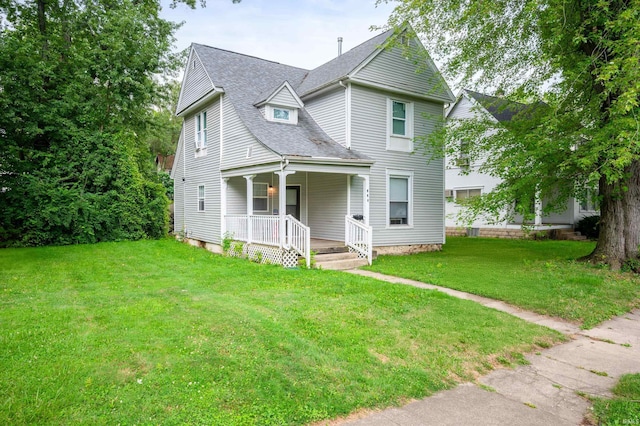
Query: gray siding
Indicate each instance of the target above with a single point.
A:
(284, 98)
(237, 139)
(327, 205)
(328, 110)
(195, 84)
(391, 68)
(356, 195)
(178, 189)
(369, 132)
(204, 170)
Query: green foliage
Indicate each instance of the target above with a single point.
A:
(104, 334)
(540, 276)
(624, 408)
(579, 58)
(589, 226)
(77, 80)
(167, 183)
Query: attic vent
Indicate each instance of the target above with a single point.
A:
(193, 64)
(249, 152)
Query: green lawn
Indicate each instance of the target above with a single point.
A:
(537, 275)
(624, 408)
(158, 332)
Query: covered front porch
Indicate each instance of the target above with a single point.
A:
(277, 213)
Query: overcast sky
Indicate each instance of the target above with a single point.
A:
(301, 33)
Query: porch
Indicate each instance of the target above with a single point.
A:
(277, 215)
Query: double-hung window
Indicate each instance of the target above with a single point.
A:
(400, 125)
(201, 198)
(201, 130)
(467, 193)
(260, 197)
(400, 193)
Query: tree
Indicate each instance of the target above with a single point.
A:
(581, 58)
(77, 79)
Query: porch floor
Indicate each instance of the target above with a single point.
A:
(321, 246)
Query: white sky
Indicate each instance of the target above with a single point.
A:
(301, 33)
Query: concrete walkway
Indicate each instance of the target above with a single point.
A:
(547, 392)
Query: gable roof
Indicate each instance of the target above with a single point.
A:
(342, 65)
(501, 109)
(242, 77)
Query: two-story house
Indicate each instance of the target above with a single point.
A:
(281, 158)
(464, 178)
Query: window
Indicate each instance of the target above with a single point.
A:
(281, 114)
(400, 126)
(399, 119)
(465, 194)
(201, 198)
(260, 197)
(590, 203)
(400, 197)
(201, 130)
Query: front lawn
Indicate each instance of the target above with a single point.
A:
(158, 332)
(537, 275)
(624, 407)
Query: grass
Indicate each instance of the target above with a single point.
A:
(541, 276)
(624, 408)
(158, 332)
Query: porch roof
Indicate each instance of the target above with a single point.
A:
(353, 167)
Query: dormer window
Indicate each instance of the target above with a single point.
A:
(281, 114)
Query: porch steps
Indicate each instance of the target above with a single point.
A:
(567, 234)
(339, 260)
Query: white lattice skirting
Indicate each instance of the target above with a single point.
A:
(360, 254)
(264, 254)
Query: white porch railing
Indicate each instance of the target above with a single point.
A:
(262, 229)
(254, 228)
(298, 237)
(358, 237)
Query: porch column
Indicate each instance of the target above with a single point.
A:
(249, 179)
(365, 198)
(282, 203)
(223, 206)
(538, 209)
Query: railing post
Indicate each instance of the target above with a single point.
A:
(249, 229)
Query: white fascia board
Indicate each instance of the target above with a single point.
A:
(387, 88)
(280, 88)
(251, 170)
(192, 55)
(201, 102)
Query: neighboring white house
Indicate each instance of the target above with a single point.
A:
(276, 156)
(459, 185)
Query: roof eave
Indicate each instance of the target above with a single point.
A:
(217, 91)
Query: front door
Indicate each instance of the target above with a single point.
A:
(293, 201)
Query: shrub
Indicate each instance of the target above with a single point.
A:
(589, 226)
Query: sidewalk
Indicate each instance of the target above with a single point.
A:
(545, 392)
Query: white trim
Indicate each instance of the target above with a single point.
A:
(278, 90)
(184, 78)
(347, 126)
(224, 183)
(408, 174)
(221, 127)
(249, 200)
(209, 97)
(400, 91)
(349, 178)
(204, 198)
(400, 143)
(293, 114)
(266, 184)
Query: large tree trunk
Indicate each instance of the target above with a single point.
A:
(619, 220)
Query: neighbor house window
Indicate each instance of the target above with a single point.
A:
(201, 130)
(400, 192)
(591, 202)
(400, 125)
(467, 193)
(201, 198)
(260, 197)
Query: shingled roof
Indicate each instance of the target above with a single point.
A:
(502, 109)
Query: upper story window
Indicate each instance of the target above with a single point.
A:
(400, 125)
(281, 114)
(201, 130)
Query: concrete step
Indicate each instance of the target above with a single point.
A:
(327, 250)
(339, 261)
